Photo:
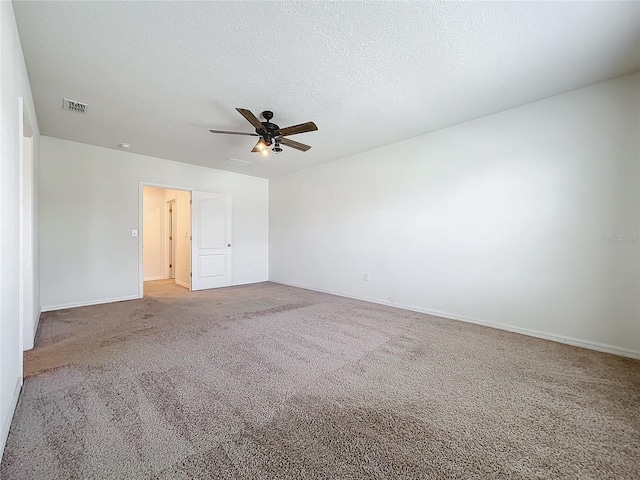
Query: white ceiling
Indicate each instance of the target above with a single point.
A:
(158, 75)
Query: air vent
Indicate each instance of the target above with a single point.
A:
(234, 162)
(74, 106)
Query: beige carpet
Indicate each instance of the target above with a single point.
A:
(268, 382)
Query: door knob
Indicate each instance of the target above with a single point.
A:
(228, 244)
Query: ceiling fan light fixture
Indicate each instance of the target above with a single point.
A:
(261, 146)
(265, 152)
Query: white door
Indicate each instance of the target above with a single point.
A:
(211, 240)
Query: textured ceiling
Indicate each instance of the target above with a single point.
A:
(158, 75)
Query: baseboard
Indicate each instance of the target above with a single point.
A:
(150, 279)
(51, 308)
(182, 284)
(6, 422)
(36, 324)
(600, 347)
(248, 283)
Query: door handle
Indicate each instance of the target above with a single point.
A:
(228, 245)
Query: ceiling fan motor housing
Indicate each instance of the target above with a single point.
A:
(270, 129)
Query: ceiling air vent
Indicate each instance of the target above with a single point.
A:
(74, 106)
(234, 162)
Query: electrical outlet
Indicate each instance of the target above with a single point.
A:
(134, 232)
(366, 277)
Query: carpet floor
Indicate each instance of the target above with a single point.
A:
(267, 381)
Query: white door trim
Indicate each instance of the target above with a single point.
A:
(27, 320)
(170, 228)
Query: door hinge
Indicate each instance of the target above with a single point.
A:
(170, 238)
(190, 202)
(191, 237)
(170, 266)
(190, 274)
(170, 211)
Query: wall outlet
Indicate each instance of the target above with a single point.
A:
(366, 277)
(134, 232)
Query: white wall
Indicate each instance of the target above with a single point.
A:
(498, 220)
(154, 233)
(14, 84)
(89, 204)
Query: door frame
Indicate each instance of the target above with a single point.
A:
(27, 320)
(140, 228)
(170, 230)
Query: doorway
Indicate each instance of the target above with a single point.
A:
(166, 235)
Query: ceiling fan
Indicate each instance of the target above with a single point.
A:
(271, 134)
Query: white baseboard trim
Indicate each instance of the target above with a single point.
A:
(6, 422)
(150, 279)
(182, 284)
(600, 347)
(248, 283)
(30, 343)
(36, 324)
(63, 306)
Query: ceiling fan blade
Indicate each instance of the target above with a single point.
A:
(293, 144)
(251, 118)
(302, 128)
(234, 133)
